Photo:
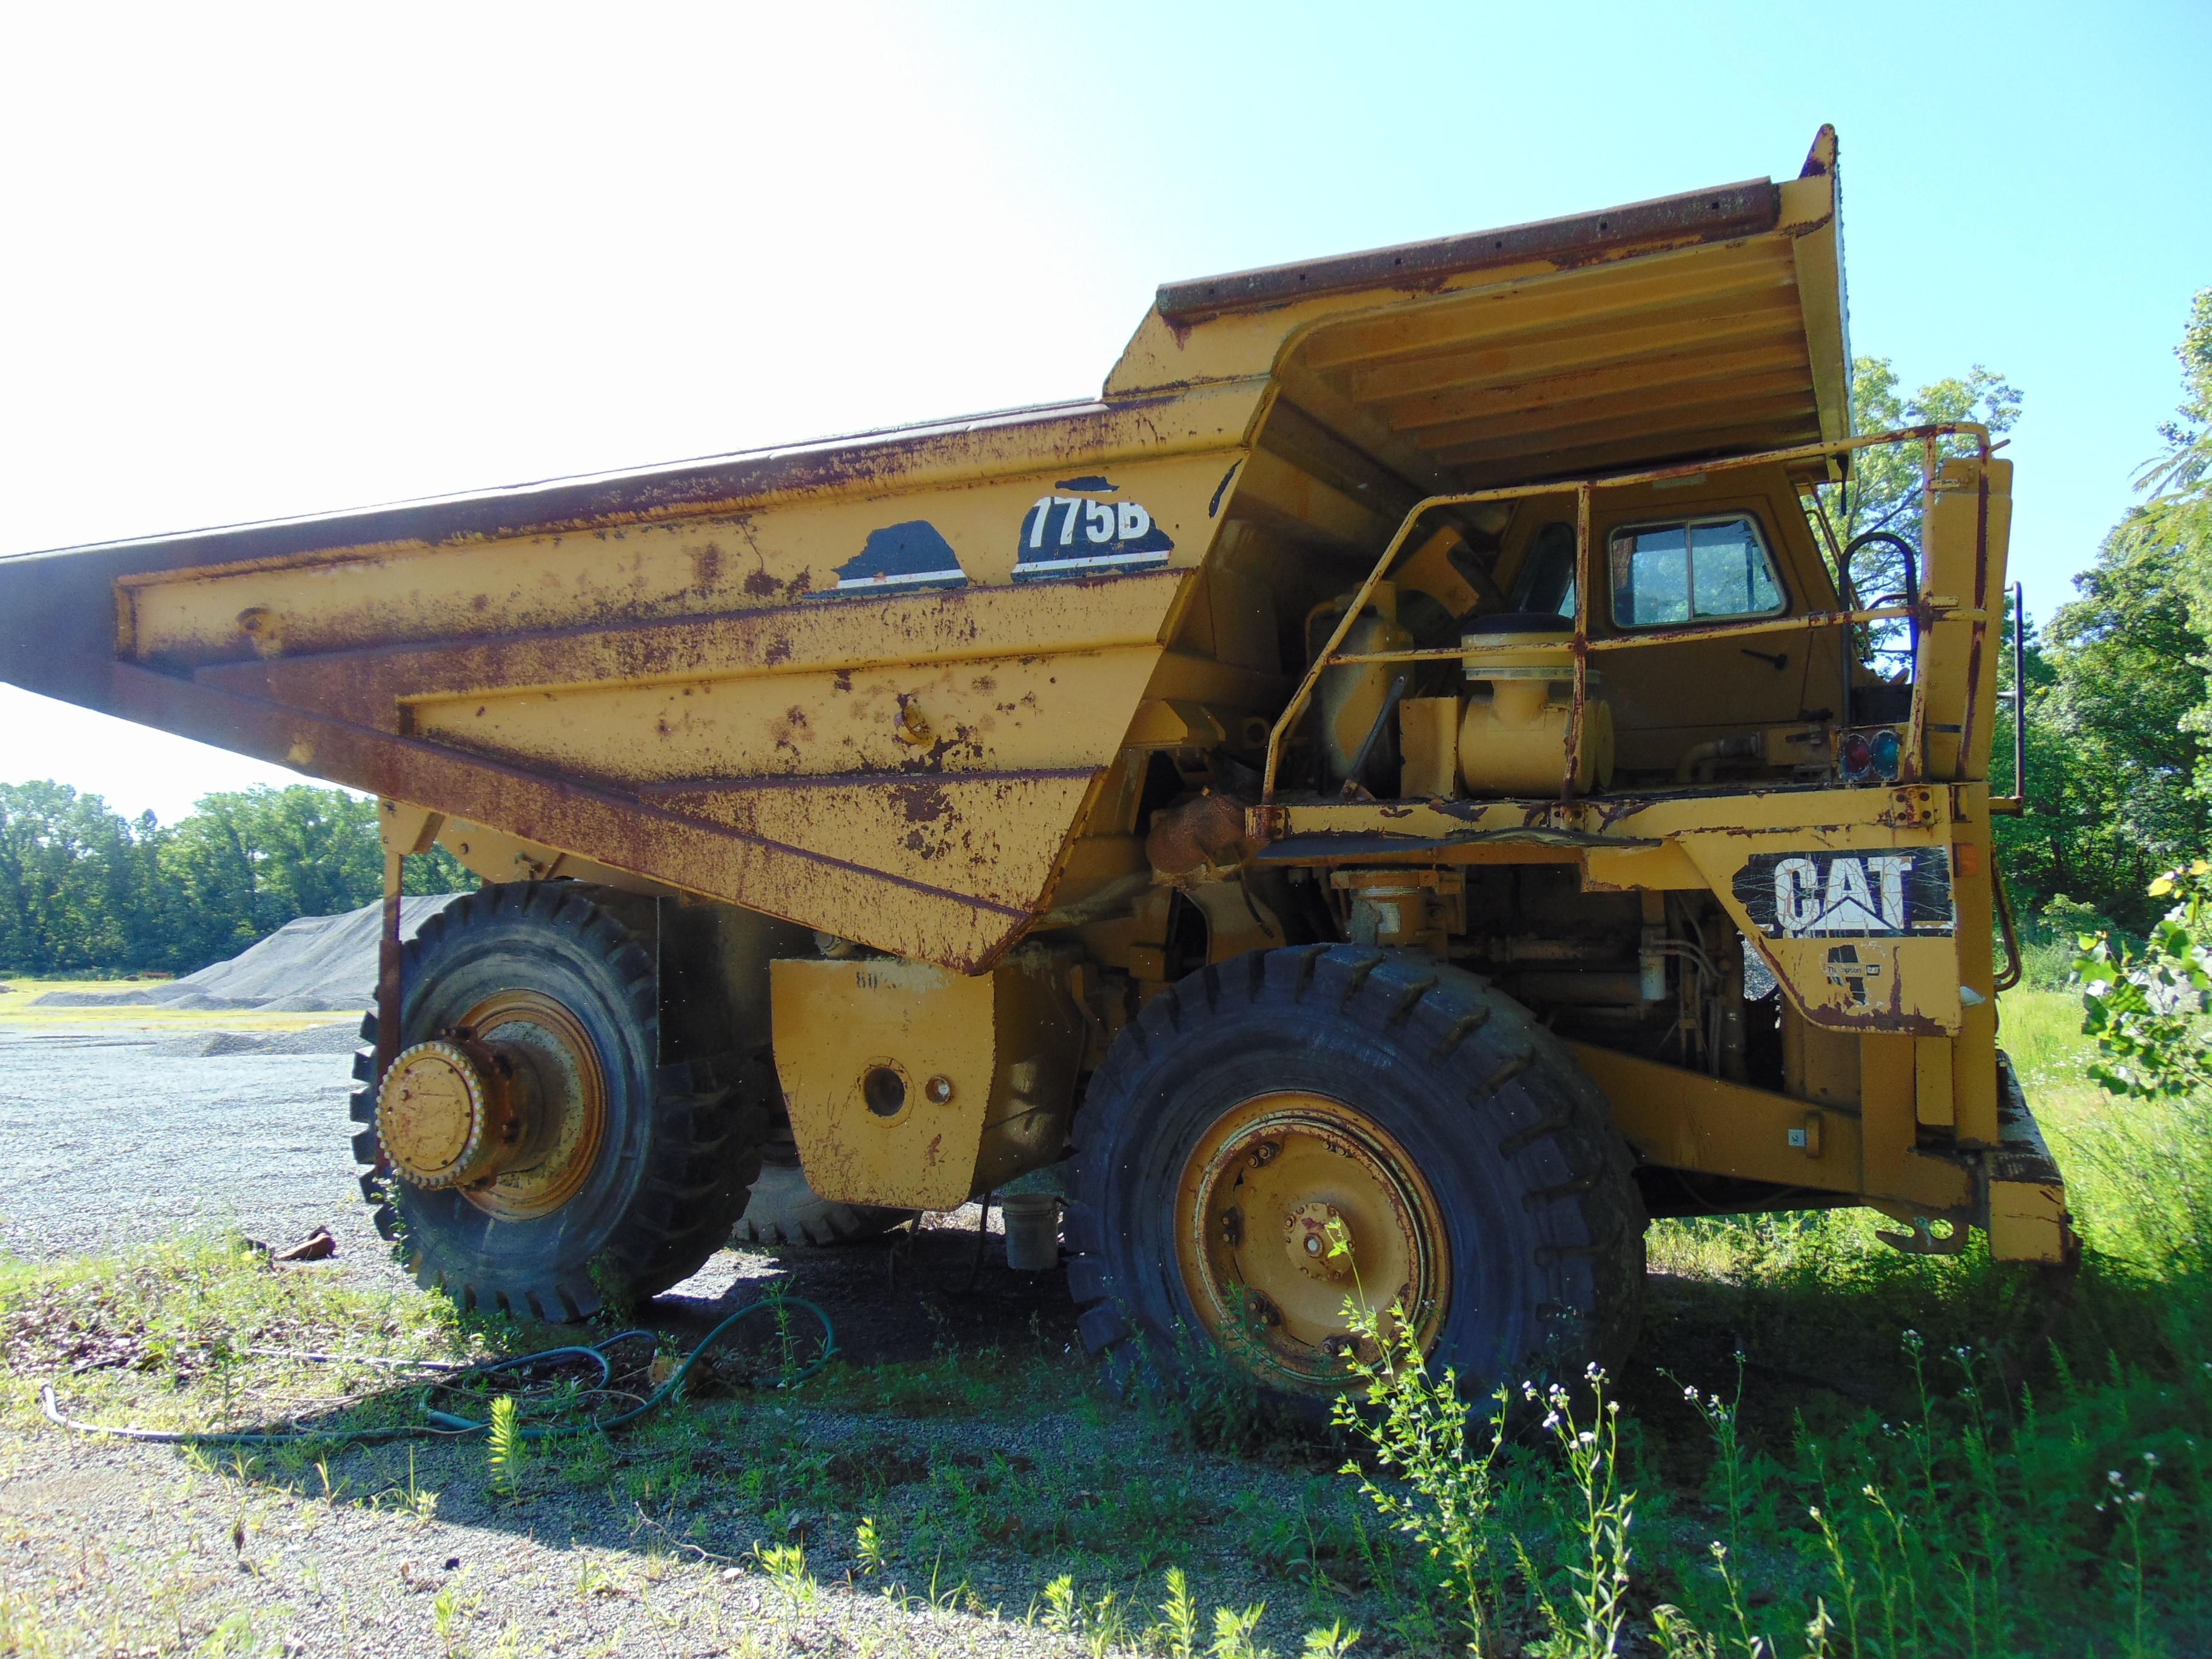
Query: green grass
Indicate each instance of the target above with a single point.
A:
(166, 1335)
(19, 1011)
(2001, 1462)
(2026, 1470)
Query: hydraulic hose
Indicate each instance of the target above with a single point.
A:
(438, 1424)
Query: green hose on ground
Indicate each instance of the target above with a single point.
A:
(444, 1425)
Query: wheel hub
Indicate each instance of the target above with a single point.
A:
(443, 1115)
(1319, 1242)
(1292, 1206)
(507, 1107)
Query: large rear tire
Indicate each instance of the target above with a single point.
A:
(1262, 1107)
(784, 1209)
(637, 1169)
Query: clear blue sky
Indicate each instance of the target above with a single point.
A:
(284, 260)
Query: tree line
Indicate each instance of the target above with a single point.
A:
(85, 889)
(2119, 773)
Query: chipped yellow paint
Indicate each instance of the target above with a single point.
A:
(775, 552)
(981, 836)
(894, 723)
(911, 1086)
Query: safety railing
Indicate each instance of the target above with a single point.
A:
(1917, 608)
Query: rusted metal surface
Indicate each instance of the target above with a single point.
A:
(388, 970)
(1739, 210)
(1302, 1206)
(911, 1086)
(1204, 834)
(1082, 431)
(819, 889)
(901, 768)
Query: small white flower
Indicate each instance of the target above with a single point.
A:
(1690, 1395)
(2151, 1458)
(2112, 1475)
(1553, 1421)
(1587, 1437)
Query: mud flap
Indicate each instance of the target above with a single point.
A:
(2020, 1195)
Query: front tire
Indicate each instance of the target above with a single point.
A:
(1264, 1106)
(637, 1169)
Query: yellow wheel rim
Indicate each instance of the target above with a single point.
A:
(563, 1098)
(1263, 1202)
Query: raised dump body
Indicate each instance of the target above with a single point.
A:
(1392, 786)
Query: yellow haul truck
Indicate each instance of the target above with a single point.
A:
(1400, 762)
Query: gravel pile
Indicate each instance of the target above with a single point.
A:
(316, 964)
(342, 1038)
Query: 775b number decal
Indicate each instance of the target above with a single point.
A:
(1075, 536)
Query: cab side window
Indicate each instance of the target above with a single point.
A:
(1548, 571)
(1702, 570)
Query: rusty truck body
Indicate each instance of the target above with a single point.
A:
(1391, 790)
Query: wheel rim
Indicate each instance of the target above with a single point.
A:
(1271, 1189)
(557, 1070)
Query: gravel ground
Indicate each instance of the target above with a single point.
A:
(111, 1138)
(181, 1561)
(108, 1140)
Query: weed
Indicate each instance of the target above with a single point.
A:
(416, 1499)
(1720, 1417)
(1176, 1633)
(234, 1634)
(1106, 1625)
(503, 1449)
(868, 1545)
(1062, 1610)
(449, 1608)
(1417, 1428)
(333, 1490)
(786, 1567)
(1334, 1642)
(23, 1631)
(1598, 1574)
(1233, 1630)
(787, 1366)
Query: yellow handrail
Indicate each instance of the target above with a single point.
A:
(1581, 644)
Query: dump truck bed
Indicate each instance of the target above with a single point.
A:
(875, 686)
